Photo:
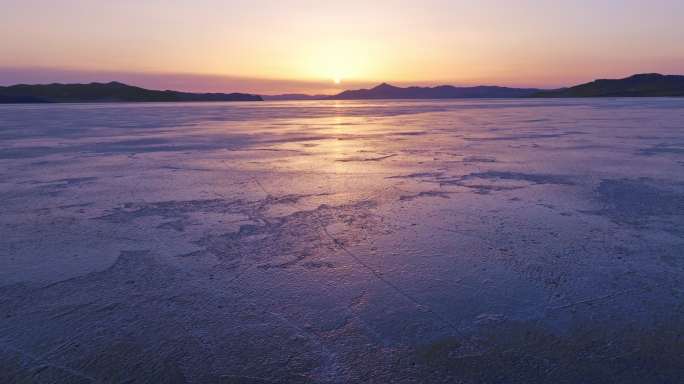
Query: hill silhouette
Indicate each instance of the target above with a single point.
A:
(387, 91)
(641, 85)
(106, 92)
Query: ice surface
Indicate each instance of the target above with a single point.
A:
(483, 241)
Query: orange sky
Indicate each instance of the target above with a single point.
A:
(301, 46)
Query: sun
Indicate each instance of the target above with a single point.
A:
(337, 80)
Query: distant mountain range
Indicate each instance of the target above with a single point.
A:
(387, 91)
(642, 85)
(106, 92)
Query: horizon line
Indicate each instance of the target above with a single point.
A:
(189, 82)
(219, 83)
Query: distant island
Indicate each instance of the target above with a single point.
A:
(107, 92)
(641, 85)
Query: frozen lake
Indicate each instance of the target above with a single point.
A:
(481, 241)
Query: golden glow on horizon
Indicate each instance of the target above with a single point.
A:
(337, 60)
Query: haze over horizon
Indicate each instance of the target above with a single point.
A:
(271, 47)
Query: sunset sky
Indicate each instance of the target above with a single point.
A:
(303, 46)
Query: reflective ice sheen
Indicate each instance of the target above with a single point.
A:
(484, 241)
